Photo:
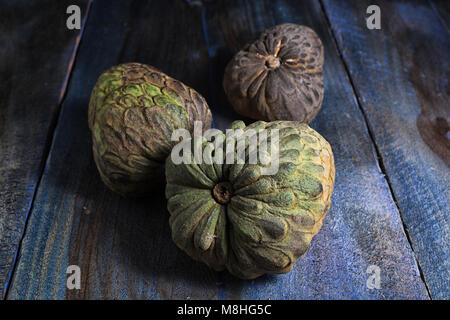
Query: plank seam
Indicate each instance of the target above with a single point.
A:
(210, 53)
(380, 161)
(436, 11)
(47, 150)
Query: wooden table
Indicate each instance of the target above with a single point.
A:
(386, 114)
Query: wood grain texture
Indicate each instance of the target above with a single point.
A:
(35, 58)
(123, 246)
(400, 74)
(363, 226)
(442, 8)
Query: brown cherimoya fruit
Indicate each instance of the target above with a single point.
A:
(279, 76)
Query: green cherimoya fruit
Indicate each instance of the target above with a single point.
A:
(233, 217)
(132, 112)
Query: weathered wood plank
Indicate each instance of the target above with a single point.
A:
(401, 77)
(442, 8)
(123, 246)
(363, 227)
(35, 54)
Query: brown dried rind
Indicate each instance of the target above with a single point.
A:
(133, 111)
(279, 76)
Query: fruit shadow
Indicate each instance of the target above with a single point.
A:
(134, 236)
(122, 245)
(153, 257)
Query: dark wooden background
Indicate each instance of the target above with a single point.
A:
(386, 114)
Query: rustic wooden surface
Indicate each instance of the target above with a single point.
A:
(401, 80)
(442, 8)
(386, 202)
(35, 61)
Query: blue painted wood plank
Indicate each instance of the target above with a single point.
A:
(400, 74)
(442, 8)
(123, 247)
(35, 55)
(363, 227)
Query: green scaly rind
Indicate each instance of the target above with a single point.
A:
(270, 220)
(133, 111)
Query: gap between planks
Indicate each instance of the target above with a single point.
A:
(379, 157)
(203, 6)
(48, 147)
(438, 14)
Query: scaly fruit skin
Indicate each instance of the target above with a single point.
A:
(132, 112)
(279, 76)
(231, 217)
